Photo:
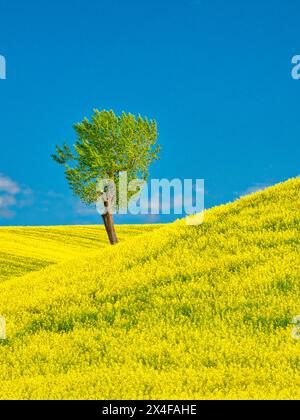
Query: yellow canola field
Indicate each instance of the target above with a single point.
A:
(182, 312)
(25, 249)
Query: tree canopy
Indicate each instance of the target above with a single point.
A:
(105, 146)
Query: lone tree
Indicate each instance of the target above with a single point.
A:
(107, 146)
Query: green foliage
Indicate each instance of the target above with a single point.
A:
(106, 146)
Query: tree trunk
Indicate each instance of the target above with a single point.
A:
(110, 228)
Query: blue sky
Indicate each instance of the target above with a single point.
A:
(215, 75)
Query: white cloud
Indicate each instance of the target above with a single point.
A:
(12, 196)
(9, 186)
(7, 201)
(254, 188)
(7, 214)
(83, 210)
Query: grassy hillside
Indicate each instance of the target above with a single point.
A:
(180, 312)
(31, 248)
